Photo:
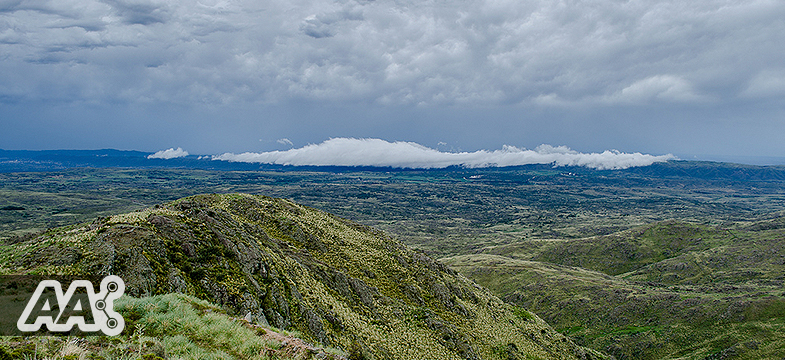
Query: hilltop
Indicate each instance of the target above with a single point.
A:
(287, 266)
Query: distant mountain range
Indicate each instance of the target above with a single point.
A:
(47, 160)
(52, 160)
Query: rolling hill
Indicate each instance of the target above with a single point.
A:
(662, 291)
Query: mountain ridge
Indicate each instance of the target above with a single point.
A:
(340, 283)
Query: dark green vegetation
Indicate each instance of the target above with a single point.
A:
(667, 290)
(671, 260)
(338, 283)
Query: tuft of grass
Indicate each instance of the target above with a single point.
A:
(171, 326)
(190, 328)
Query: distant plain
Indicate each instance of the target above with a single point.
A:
(678, 259)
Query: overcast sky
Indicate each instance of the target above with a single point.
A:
(658, 77)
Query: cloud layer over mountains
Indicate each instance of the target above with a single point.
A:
(377, 152)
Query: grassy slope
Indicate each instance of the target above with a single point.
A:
(173, 326)
(293, 267)
(668, 290)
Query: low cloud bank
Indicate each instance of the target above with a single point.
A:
(170, 153)
(400, 154)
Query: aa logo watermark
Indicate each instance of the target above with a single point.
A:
(79, 306)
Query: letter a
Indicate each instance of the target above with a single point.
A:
(78, 310)
(43, 307)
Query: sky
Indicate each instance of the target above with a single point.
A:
(700, 79)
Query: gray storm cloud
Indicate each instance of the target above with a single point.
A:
(399, 154)
(666, 76)
(391, 52)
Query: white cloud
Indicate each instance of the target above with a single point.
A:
(377, 152)
(170, 153)
(769, 83)
(659, 87)
(284, 141)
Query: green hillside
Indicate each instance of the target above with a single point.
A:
(666, 290)
(337, 283)
(171, 326)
